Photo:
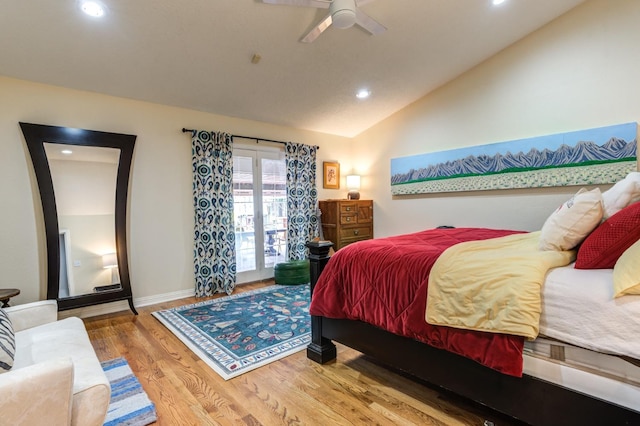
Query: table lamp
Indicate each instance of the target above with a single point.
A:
(353, 185)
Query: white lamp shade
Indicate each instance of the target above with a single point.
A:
(353, 182)
(109, 260)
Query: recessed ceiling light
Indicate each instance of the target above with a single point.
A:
(92, 8)
(66, 152)
(497, 2)
(363, 94)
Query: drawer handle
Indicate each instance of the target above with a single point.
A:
(348, 209)
(348, 219)
(356, 232)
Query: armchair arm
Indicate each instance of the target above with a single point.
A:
(38, 393)
(32, 314)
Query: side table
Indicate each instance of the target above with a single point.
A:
(6, 294)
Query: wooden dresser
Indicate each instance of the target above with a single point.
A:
(346, 221)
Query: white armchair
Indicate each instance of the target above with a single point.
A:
(56, 378)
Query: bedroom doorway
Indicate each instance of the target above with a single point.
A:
(260, 211)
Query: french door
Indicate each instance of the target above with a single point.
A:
(260, 211)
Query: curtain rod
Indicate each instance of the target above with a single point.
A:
(185, 130)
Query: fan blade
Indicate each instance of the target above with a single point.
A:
(368, 23)
(317, 30)
(309, 3)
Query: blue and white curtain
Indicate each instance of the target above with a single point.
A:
(302, 198)
(214, 250)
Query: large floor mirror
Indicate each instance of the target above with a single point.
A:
(83, 178)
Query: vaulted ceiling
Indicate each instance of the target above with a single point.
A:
(198, 54)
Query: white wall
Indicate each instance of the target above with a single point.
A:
(578, 72)
(161, 212)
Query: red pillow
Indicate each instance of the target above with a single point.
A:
(602, 248)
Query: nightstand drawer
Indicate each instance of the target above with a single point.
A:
(358, 232)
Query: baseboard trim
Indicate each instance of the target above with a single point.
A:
(123, 305)
(161, 298)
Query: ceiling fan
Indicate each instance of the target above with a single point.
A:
(342, 14)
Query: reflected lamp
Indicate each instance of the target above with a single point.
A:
(110, 261)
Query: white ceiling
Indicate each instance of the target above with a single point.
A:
(197, 54)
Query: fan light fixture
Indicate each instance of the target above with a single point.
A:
(343, 13)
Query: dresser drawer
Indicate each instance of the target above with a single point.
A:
(363, 232)
(348, 218)
(347, 242)
(349, 208)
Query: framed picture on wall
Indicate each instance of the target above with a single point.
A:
(331, 175)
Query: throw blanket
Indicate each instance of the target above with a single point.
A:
(384, 282)
(492, 285)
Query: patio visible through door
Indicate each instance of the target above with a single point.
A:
(260, 212)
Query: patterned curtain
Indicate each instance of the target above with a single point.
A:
(302, 198)
(214, 251)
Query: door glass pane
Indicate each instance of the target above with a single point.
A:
(274, 210)
(243, 211)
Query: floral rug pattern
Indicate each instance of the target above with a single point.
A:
(238, 333)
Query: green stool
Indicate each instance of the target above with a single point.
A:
(292, 273)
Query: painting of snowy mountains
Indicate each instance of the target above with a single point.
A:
(603, 155)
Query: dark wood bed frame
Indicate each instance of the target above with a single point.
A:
(526, 399)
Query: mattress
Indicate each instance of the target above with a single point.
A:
(589, 341)
(578, 308)
(611, 366)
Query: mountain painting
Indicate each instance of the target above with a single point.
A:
(603, 155)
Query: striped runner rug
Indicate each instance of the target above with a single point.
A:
(129, 404)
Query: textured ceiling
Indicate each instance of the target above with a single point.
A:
(197, 54)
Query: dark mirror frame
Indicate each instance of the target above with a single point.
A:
(36, 135)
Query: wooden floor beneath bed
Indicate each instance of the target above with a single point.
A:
(294, 391)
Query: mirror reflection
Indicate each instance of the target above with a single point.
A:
(84, 183)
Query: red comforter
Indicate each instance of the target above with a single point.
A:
(384, 282)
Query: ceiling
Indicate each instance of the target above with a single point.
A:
(197, 54)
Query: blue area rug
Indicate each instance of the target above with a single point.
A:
(129, 404)
(241, 332)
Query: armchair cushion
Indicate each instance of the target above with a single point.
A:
(7, 342)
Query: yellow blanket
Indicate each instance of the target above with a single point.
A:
(492, 285)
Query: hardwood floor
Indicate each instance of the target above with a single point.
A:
(353, 390)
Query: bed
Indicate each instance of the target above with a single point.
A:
(576, 370)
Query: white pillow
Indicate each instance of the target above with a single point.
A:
(622, 194)
(573, 221)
